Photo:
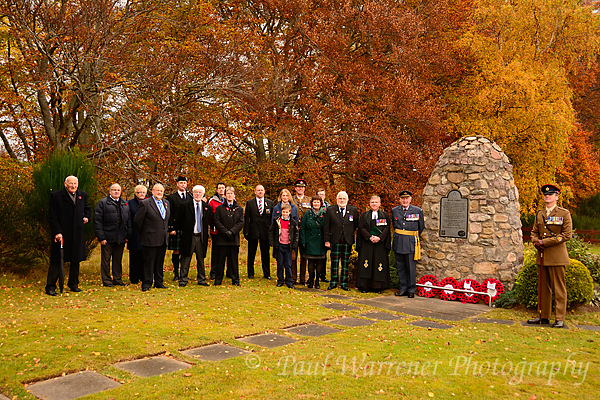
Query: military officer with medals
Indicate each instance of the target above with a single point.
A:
(408, 224)
(553, 227)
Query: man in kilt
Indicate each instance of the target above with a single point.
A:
(176, 199)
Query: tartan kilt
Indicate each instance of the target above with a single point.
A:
(175, 241)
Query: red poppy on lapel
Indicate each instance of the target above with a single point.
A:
(79, 197)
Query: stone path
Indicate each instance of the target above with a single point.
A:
(426, 307)
(313, 330)
(72, 386)
(215, 352)
(152, 366)
(87, 382)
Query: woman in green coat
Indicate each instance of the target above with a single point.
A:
(312, 244)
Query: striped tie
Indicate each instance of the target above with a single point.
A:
(260, 206)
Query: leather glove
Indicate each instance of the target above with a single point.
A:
(539, 245)
(229, 235)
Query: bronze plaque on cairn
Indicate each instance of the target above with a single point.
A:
(454, 216)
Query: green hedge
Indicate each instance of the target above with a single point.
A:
(580, 286)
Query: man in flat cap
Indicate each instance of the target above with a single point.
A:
(408, 225)
(176, 199)
(302, 203)
(552, 228)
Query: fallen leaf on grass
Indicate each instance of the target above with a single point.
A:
(187, 374)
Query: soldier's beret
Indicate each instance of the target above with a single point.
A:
(300, 182)
(181, 178)
(405, 193)
(550, 189)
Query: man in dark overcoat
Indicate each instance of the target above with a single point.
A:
(228, 221)
(136, 251)
(67, 213)
(152, 221)
(193, 223)
(176, 199)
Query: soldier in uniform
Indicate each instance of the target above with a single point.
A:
(176, 199)
(408, 225)
(552, 228)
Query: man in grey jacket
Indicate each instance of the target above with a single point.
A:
(112, 224)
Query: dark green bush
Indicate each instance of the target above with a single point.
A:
(507, 299)
(394, 281)
(580, 250)
(580, 286)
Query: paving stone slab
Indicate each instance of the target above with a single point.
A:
(351, 322)
(426, 307)
(269, 340)
(313, 330)
(549, 326)
(492, 321)
(589, 327)
(382, 316)
(337, 296)
(153, 366)
(72, 386)
(339, 306)
(3, 397)
(215, 352)
(430, 324)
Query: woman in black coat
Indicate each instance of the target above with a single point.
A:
(312, 242)
(373, 246)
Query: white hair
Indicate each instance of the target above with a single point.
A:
(71, 176)
(341, 193)
(200, 188)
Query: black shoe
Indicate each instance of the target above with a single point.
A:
(237, 284)
(145, 289)
(323, 279)
(279, 284)
(317, 286)
(347, 289)
(182, 284)
(160, 287)
(176, 277)
(134, 282)
(120, 284)
(51, 292)
(399, 294)
(74, 289)
(290, 286)
(268, 277)
(378, 292)
(108, 285)
(558, 324)
(538, 321)
(364, 291)
(203, 284)
(250, 277)
(411, 295)
(331, 287)
(310, 286)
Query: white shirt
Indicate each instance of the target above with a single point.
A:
(196, 216)
(374, 214)
(259, 201)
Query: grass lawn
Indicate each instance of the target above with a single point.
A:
(43, 337)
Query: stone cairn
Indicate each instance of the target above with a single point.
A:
(493, 248)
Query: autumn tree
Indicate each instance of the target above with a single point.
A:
(518, 92)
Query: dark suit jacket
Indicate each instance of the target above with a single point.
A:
(67, 218)
(175, 200)
(134, 240)
(256, 226)
(228, 219)
(338, 227)
(153, 229)
(186, 221)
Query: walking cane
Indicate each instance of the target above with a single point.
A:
(61, 276)
(541, 280)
